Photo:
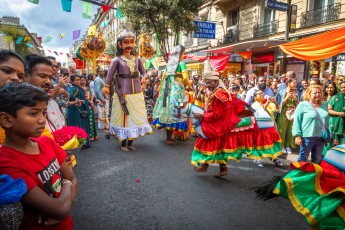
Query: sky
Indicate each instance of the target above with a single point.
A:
(48, 18)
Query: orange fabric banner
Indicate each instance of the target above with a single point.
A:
(317, 47)
(245, 55)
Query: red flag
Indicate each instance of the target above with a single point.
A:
(60, 53)
(105, 8)
(39, 39)
(49, 51)
(219, 62)
(80, 64)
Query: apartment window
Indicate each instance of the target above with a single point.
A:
(233, 18)
(322, 3)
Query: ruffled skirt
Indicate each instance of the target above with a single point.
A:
(256, 144)
(133, 125)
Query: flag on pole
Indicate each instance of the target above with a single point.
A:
(87, 10)
(91, 30)
(29, 45)
(9, 39)
(66, 5)
(105, 23)
(19, 40)
(76, 34)
(118, 13)
(105, 8)
(61, 35)
(48, 39)
(34, 1)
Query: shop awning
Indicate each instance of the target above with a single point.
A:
(317, 47)
(246, 46)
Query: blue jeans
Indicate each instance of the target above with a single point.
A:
(311, 144)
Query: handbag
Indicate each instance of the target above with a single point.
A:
(326, 134)
(83, 113)
(290, 114)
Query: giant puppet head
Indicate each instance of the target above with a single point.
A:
(125, 42)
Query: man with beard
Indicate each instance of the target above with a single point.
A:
(40, 73)
(261, 85)
(128, 114)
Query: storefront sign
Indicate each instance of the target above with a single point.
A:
(263, 58)
(281, 6)
(339, 57)
(294, 61)
(205, 30)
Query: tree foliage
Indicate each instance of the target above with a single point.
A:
(15, 32)
(165, 18)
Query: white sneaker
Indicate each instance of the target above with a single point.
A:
(288, 150)
(258, 163)
(284, 150)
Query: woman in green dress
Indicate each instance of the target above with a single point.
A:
(89, 96)
(172, 93)
(287, 99)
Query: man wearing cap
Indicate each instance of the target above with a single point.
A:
(128, 114)
(220, 117)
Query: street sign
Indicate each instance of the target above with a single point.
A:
(293, 18)
(205, 30)
(281, 6)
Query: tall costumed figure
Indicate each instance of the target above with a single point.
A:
(128, 113)
(172, 93)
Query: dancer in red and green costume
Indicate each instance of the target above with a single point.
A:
(218, 121)
(317, 191)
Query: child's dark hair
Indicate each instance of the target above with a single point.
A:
(33, 59)
(14, 96)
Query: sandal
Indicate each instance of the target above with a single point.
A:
(223, 171)
(277, 162)
(201, 168)
(124, 148)
(170, 141)
(130, 147)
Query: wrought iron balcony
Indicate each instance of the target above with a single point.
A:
(260, 30)
(232, 35)
(318, 16)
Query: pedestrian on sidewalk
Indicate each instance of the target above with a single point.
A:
(307, 126)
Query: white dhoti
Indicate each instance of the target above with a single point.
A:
(133, 125)
(103, 115)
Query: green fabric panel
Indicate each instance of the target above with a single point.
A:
(224, 156)
(181, 67)
(245, 121)
(323, 208)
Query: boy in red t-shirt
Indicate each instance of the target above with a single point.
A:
(52, 186)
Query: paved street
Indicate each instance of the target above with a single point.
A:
(156, 188)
